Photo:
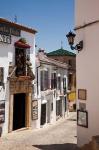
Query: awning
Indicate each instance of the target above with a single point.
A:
(21, 45)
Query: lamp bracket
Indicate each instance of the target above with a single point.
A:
(78, 46)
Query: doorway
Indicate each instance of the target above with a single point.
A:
(48, 111)
(43, 114)
(19, 111)
(58, 109)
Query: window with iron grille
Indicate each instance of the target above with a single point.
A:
(44, 80)
(53, 81)
(20, 61)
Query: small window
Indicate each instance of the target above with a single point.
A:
(70, 62)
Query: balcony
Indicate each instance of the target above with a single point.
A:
(21, 83)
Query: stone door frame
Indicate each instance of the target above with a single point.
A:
(27, 113)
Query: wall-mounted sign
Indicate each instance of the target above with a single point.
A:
(2, 112)
(82, 94)
(34, 109)
(82, 118)
(20, 85)
(82, 106)
(8, 30)
(5, 39)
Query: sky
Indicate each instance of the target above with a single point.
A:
(53, 19)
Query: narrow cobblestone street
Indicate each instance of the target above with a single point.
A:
(61, 136)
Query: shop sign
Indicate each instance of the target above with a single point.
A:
(5, 39)
(2, 112)
(34, 109)
(8, 30)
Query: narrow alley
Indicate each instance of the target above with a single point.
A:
(60, 136)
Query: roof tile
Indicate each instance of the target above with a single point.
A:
(61, 52)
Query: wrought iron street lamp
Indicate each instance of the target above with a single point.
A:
(70, 36)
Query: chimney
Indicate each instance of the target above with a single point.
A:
(41, 51)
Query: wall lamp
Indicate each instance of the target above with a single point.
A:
(70, 36)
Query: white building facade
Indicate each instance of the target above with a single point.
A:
(17, 68)
(51, 88)
(87, 29)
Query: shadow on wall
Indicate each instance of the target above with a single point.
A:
(66, 146)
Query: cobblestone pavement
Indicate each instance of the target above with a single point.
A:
(60, 136)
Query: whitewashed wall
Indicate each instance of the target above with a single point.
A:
(45, 95)
(87, 65)
(7, 54)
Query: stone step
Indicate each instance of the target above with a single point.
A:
(95, 140)
(93, 145)
(88, 146)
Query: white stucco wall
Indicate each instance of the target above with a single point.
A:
(86, 11)
(87, 66)
(7, 54)
(47, 96)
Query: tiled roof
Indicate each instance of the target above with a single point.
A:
(44, 59)
(61, 52)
